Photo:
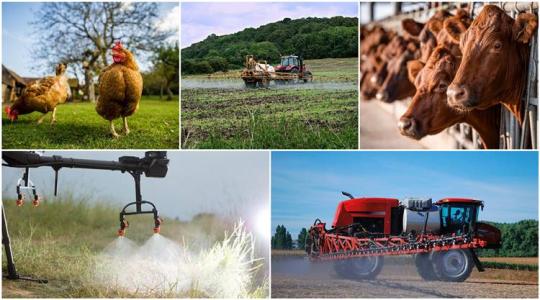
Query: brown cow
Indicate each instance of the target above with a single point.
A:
(395, 84)
(429, 113)
(494, 65)
(426, 33)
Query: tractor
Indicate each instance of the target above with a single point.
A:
(441, 236)
(293, 64)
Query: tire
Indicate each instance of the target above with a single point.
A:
(250, 85)
(453, 265)
(424, 266)
(364, 268)
(308, 77)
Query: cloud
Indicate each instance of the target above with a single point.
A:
(170, 22)
(202, 19)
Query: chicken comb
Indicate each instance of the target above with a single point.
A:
(117, 45)
(8, 110)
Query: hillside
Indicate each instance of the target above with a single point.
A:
(312, 38)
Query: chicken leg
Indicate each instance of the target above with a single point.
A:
(53, 119)
(113, 131)
(40, 120)
(126, 128)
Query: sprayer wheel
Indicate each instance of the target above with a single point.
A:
(424, 266)
(250, 84)
(453, 265)
(364, 268)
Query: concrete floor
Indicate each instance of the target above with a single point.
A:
(378, 129)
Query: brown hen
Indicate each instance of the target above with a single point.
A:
(43, 96)
(120, 88)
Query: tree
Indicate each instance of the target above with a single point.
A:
(167, 65)
(282, 238)
(80, 33)
(302, 238)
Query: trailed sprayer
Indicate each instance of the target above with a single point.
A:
(441, 236)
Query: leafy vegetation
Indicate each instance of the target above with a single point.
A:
(165, 73)
(282, 239)
(302, 236)
(318, 115)
(518, 239)
(311, 38)
(153, 126)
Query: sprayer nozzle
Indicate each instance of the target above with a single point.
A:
(157, 229)
(20, 201)
(35, 202)
(121, 232)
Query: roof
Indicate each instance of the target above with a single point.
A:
(460, 200)
(18, 78)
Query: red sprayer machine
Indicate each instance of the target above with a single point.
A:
(441, 236)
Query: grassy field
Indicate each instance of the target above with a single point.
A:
(318, 115)
(154, 126)
(61, 239)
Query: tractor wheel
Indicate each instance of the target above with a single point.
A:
(453, 265)
(424, 266)
(295, 79)
(363, 268)
(308, 77)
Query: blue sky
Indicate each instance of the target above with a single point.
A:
(308, 185)
(201, 19)
(18, 36)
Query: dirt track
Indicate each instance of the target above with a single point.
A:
(295, 277)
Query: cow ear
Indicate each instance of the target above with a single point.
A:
(414, 67)
(524, 27)
(435, 26)
(454, 28)
(411, 26)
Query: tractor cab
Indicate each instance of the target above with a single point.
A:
(459, 215)
(290, 63)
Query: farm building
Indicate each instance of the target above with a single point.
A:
(12, 85)
(403, 44)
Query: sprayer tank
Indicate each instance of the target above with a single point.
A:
(414, 220)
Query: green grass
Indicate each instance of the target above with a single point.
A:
(60, 240)
(306, 117)
(154, 126)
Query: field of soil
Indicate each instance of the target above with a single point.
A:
(219, 112)
(293, 276)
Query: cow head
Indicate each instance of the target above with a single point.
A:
(426, 33)
(429, 112)
(395, 84)
(495, 53)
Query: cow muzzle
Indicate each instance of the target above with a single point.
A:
(409, 127)
(382, 96)
(460, 97)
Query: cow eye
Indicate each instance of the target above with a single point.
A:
(442, 86)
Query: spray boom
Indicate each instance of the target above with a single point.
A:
(153, 164)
